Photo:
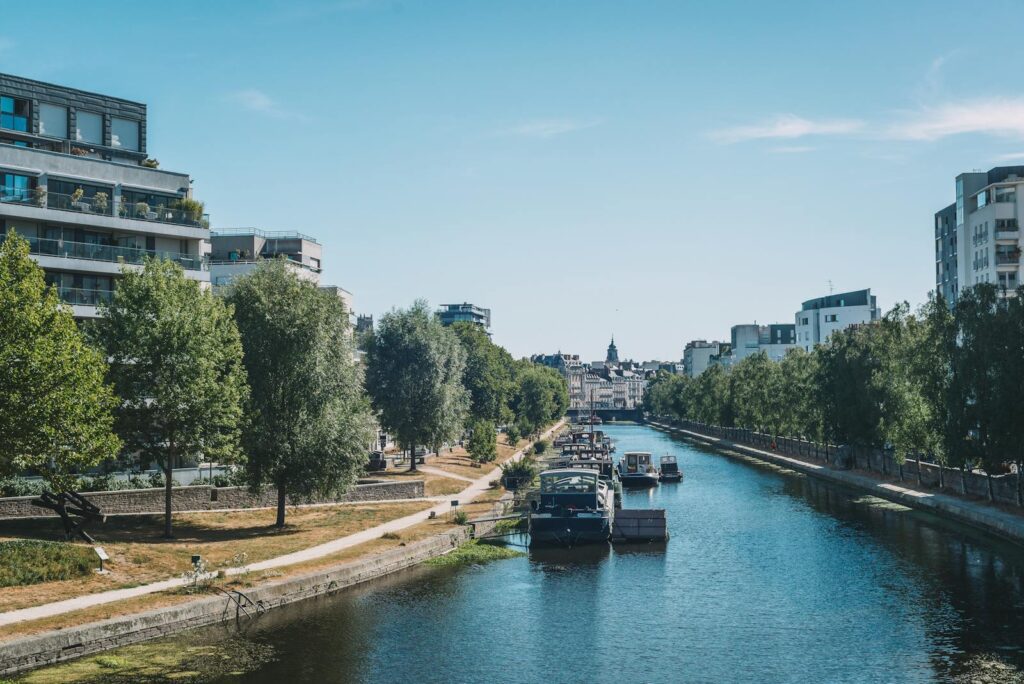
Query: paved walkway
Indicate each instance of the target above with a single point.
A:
(978, 514)
(477, 487)
(445, 473)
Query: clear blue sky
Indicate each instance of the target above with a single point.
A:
(656, 170)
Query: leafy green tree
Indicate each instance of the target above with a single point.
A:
(483, 443)
(851, 411)
(754, 386)
(176, 363)
(55, 406)
(414, 369)
(796, 394)
(709, 397)
(308, 422)
(488, 375)
(541, 397)
(512, 435)
(932, 365)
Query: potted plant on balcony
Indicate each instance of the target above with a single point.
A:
(76, 199)
(141, 210)
(100, 202)
(151, 163)
(40, 195)
(192, 209)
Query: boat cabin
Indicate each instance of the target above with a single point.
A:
(577, 488)
(669, 466)
(637, 462)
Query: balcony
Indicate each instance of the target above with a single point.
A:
(111, 253)
(105, 206)
(1007, 259)
(77, 296)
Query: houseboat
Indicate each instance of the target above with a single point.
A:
(575, 507)
(636, 470)
(670, 471)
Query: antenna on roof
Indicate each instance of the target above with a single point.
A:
(830, 287)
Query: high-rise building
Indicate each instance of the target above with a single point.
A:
(76, 180)
(453, 313)
(819, 318)
(977, 238)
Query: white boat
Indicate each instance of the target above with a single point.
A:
(637, 470)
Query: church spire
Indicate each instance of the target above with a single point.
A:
(613, 352)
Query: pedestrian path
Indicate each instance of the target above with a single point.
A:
(444, 473)
(475, 488)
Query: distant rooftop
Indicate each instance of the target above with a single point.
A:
(265, 234)
(855, 298)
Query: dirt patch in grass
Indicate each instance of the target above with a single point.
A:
(139, 556)
(31, 561)
(433, 485)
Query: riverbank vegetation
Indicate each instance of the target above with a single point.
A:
(940, 384)
(28, 561)
(474, 552)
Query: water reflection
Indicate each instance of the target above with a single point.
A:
(767, 576)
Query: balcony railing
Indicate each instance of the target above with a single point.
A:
(81, 297)
(139, 211)
(1013, 258)
(112, 253)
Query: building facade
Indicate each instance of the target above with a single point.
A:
(819, 318)
(747, 339)
(698, 355)
(237, 251)
(470, 313)
(76, 181)
(977, 238)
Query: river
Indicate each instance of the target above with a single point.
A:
(769, 576)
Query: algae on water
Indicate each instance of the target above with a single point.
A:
(474, 551)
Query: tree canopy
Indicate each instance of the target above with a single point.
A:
(309, 424)
(176, 364)
(55, 404)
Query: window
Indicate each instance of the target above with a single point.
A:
(89, 128)
(1006, 195)
(53, 121)
(14, 113)
(124, 133)
(831, 318)
(803, 321)
(15, 188)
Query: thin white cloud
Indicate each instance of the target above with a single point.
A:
(793, 149)
(1012, 156)
(787, 126)
(548, 128)
(996, 116)
(257, 101)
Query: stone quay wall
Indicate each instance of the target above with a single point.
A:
(207, 498)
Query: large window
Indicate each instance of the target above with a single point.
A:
(94, 198)
(14, 113)
(53, 121)
(89, 128)
(15, 188)
(124, 133)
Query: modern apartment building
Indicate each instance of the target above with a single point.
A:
(236, 251)
(750, 338)
(977, 238)
(76, 181)
(453, 313)
(698, 355)
(819, 318)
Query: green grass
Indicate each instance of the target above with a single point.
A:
(472, 552)
(28, 561)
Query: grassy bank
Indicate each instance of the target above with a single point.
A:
(29, 561)
(473, 552)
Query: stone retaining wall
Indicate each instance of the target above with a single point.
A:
(207, 498)
(73, 642)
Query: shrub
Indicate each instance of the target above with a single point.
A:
(460, 518)
(192, 208)
(518, 474)
(540, 446)
(512, 435)
(17, 486)
(28, 561)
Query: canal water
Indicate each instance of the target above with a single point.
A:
(769, 576)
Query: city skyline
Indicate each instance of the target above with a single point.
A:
(658, 168)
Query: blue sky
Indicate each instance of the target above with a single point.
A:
(656, 170)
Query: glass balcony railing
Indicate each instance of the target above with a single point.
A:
(139, 211)
(112, 253)
(82, 297)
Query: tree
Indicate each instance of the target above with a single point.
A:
(709, 397)
(483, 443)
(55, 405)
(932, 365)
(753, 384)
(176, 363)
(541, 397)
(845, 374)
(488, 375)
(414, 369)
(308, 422)
(796, 394)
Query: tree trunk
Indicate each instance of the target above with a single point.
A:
(919, 471)
(963, 479)
(412, 460)
(988, 481)
(281, 493)
(900, 465)
(942, 475)
(168, 472)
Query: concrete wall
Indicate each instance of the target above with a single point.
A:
(206, 498)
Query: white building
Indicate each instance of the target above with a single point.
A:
(819, 318)
(747, 339)
(977, 239)
(236, 251)
(76, 181)
(698, 355)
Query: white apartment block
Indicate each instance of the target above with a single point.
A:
(698, 355)
(819, 318)
(75, 180)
